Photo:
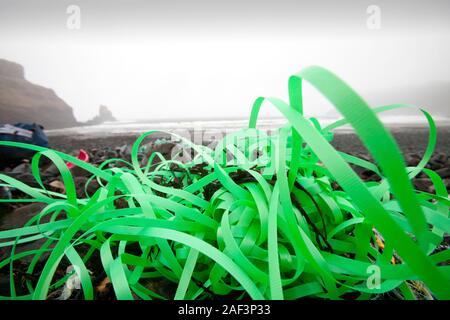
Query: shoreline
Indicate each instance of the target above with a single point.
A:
(409, 139)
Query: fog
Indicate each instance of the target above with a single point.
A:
(211, 59)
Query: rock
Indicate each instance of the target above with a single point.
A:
(111, 154)
(440, 158)
(16, 219)
(124, 152)
(374, 177)
(79, 172)
(447, 183)
(52, 170)
(423, 184)
(444, 172)
(23, 173)
(104, 115)
(23, 101)
(20, 216)
(5, 193)
(164, 148)
(80, 183)
(412, 159)
(99, 154)
(124, 149)
(11, 70)
(434, 165)
(22, 168)
(366, 173)
(162, 287)
(28, 179)
(80, 186)
(6, 170)
(57, 186)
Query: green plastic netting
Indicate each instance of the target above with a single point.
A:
(279, 216)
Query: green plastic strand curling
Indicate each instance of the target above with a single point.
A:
(280, 216)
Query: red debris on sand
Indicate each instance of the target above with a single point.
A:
(82, 155)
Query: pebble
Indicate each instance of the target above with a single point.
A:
(440, 163)
(444, 173)
(16, 219)
(22, 168)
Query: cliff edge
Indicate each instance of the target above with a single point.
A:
(23, 101)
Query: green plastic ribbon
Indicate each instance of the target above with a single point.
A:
(280, 216)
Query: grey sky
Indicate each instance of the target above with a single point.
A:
(189, 59)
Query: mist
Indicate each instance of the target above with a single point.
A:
(208, 59)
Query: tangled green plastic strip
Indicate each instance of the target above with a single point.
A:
(280, 216)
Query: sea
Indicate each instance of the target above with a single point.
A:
(136, 126)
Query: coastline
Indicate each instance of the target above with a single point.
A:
(412, 139)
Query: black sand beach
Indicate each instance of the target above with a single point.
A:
(410, 140)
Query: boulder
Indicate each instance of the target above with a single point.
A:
(104, 115)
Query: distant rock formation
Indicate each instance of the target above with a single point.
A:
(23, 101)
(104, 115)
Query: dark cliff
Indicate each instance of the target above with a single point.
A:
(23, 101)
